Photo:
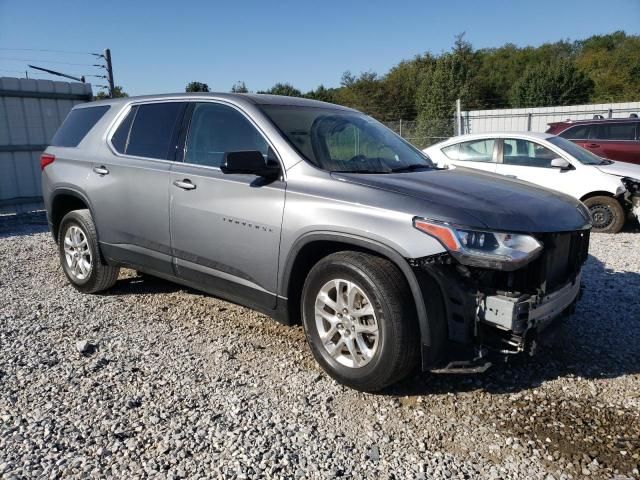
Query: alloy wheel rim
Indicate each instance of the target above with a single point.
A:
(346, 323)
(77, 253)
(602, 216)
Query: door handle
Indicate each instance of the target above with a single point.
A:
(511, 176)
(101, 170)
(593, 145)
(184, 184)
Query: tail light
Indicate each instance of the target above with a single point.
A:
(46, 159)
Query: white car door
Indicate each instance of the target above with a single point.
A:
(479, 154)
(530, 161)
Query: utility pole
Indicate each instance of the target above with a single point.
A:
(107, 57)
(459, 121)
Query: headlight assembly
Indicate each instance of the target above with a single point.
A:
(482, 248)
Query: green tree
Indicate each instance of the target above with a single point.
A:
(239, 87)
(285, 89)
(364, 93)
(613, 63)
(323, 94)
(549, 84)
(449, 78)
(196, 87)
(117, 93)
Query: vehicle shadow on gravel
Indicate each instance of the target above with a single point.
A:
(601, 340)
(142, 284)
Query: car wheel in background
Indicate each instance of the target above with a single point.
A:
(360, 321)
(607, 215)
(80, 256)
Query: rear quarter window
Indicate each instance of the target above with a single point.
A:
(76, 126)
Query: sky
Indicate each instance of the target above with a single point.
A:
(159, 46)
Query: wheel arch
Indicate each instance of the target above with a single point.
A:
(63, 201)
(310, 248)
(597, 193)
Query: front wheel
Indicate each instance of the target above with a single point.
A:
(607, 215)
(80, 256)
(360, 321)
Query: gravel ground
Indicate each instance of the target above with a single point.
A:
(175, 384)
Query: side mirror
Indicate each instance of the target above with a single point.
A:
(560, 163)
(250, 162)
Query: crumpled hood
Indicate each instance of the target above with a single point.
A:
(460, 195)
(621, 169)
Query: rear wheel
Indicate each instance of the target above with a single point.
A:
(360, 321)
(606, 213)
(80, 256)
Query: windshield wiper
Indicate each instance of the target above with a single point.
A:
(412, 168)
(362, 171)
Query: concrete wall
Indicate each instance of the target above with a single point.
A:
(536, 119)
(30, 113)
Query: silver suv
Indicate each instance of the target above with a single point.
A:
(316, 214)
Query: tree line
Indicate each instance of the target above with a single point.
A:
(599, 69)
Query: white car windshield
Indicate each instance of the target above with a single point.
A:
(576, 151)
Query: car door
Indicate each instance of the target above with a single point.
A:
(129, 188)
(479, 154)
(225, 228)
(616, 141)
(531, 161)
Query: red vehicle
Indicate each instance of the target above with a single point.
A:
(614, 138)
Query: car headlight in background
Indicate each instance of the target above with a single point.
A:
(482, 248)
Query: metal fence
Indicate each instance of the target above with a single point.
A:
(408, 129)
(537, 119)
(505, 120)
(30, 113)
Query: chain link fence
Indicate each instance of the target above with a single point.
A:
(424, 134)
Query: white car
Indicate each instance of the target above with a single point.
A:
(610, 189)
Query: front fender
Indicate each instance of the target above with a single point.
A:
(371, 245)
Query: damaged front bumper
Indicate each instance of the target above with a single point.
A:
(632, 196)
(493, 314)
(635, 206)
(526, 316)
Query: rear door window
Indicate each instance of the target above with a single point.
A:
(149, 130)
(579, 132)
(473, 151)
(76, 126)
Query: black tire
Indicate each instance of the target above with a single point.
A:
(100, 275)
(607, 214)
(384, 285)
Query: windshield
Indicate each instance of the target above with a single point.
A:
(576, 151)
(344, 141)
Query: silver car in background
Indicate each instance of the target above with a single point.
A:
(316, 214)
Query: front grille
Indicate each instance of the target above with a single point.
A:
(561, 259)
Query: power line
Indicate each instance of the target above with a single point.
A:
(44, 50)
(44, 61)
